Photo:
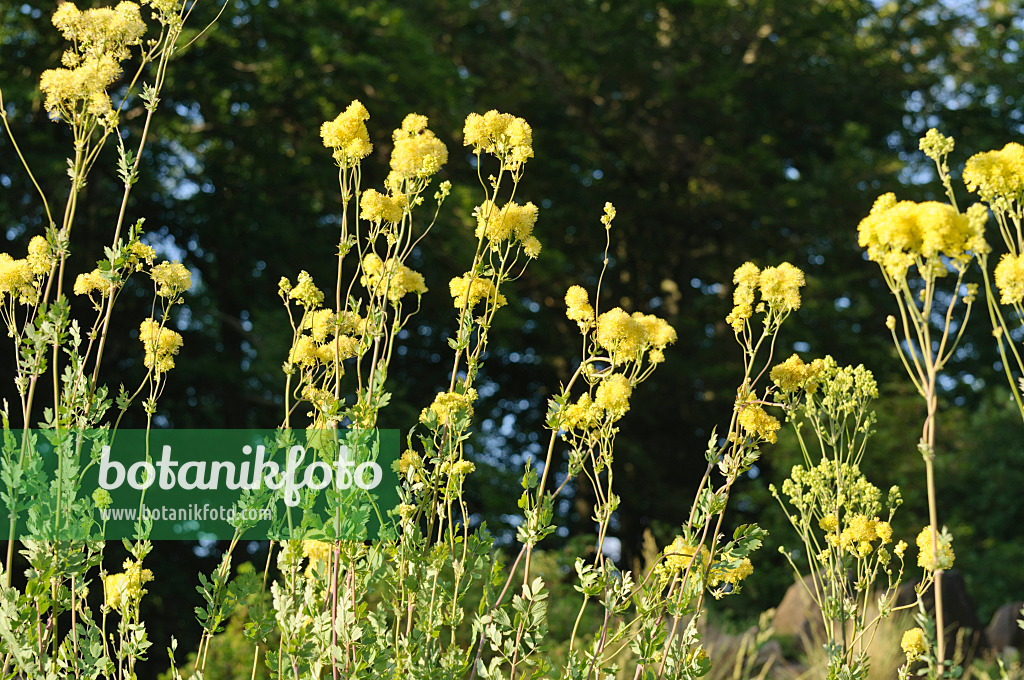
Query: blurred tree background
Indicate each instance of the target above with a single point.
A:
(722, 130)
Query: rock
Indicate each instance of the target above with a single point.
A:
(798, 615)
(1003, 631)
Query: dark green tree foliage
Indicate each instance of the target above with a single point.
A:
(723, 131)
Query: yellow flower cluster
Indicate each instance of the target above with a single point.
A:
(319, 554)
(16, 278)
(732, 576)
(418, 153)
(391, 278)
(449, 405)
(756, 423)
(513, 221)
(101, 39)
(171, 279)
(680, 554)
(378, 207)
(997, 174)
(896, 233)
(583, 415)
(347, 135)
(501, 135)
(121, 590)
(627, 336)
(859, 534)
(936, 145)
(613, 395)
(578, 308)
(1010, 278)
(793, 374)
(779, 288)
(926, 556)
(161, 344)
(139, 252)
(94, 281)
(913, 644)
(467, 291)
(40, 256)
(305, 291)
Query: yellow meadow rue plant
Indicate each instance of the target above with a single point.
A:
(924, 251)
(49, 630)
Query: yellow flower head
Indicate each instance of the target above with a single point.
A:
(303, 352)
(997, 174)
(171, 278)
(829, 523)
(125, 589)
(680, 555)
(658, 334)
(103, 30)
(731, 576)
(501, 135)
(418, 153)
(780, 287)
(613, 395)
(347, 135)
(321, 323)
(467, 291)
(345, 346)
(449, 405)
(16, 278)
(532, 247)
(757, 423)
(913, 643)
(620, 334)
(1010, 278)
(377, 207)
(746, 277)
(161, 344)
(793, 374)
(512, 221)
(391, 278)
(40, 256)
(82, 90)
(926, 555)
(583, 415)
(305, 291)
(578, 309)
(87, 284)
(895, 234)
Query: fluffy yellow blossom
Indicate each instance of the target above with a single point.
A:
(532, 247)
(746, 278)
(512, 221)
(680, 554)
(122, 590)
(578, 309)
(347, 135)
(410, 460)
(139, 252)
(895, 234)
(305, 291)
(449, 405)
(103, 30)
(15, 277)
(319, 554)
(321, 323)
(391, 278)
(345, 345)
(900, 549)
(80, 90)
(913, 643)
(926, 556)
(500, 134)
(467, 291)
(829, 523)
(620, 334)
(793, 374)
(171, 279)
(995, 174)
(40, 256)
(1010, 278)
(613, 395)
(757, 423)
(731, 576)
(87, 284)
(161, 344)
(861, 531)
(418, 153)
(780, 287)
(657, 332)
(583, 415)
(936, 145)
(377, 207)
(303, 352)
